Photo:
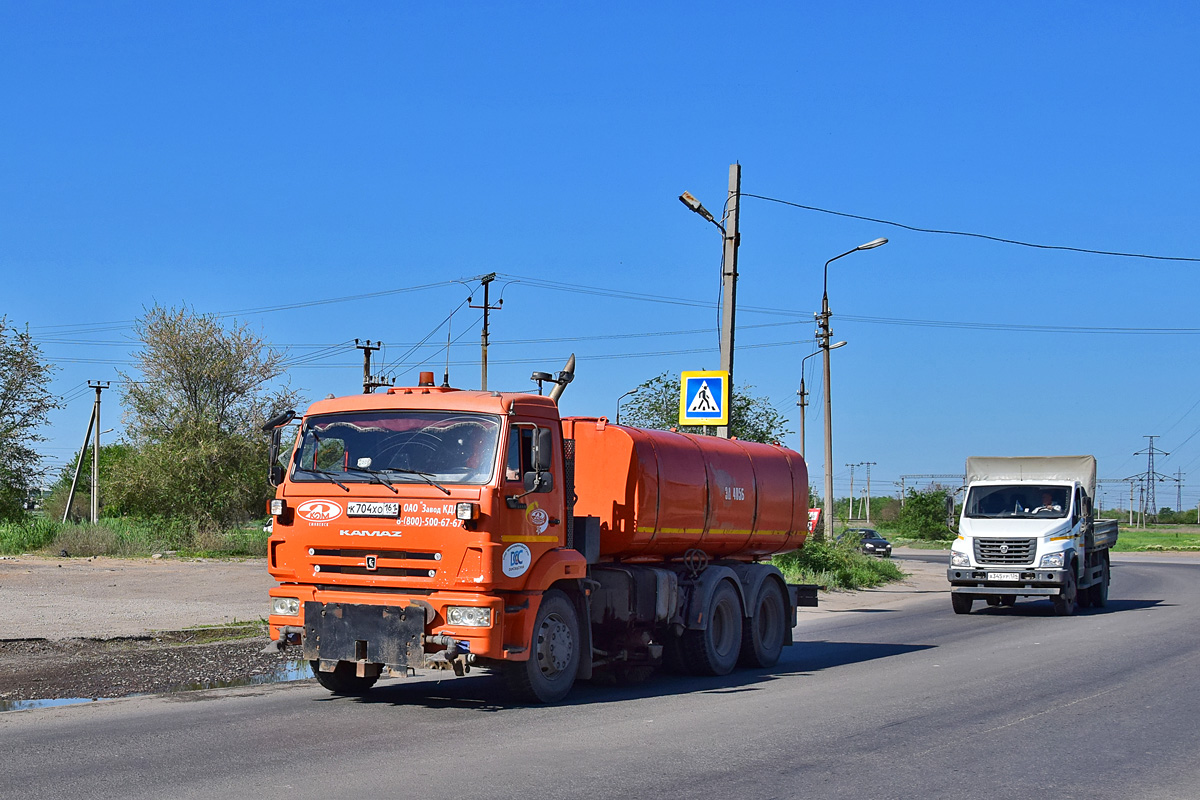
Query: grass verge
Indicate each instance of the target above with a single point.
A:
(130, 538)
(836, 565)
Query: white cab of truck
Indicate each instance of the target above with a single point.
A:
(1027, 530)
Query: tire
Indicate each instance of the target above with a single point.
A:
(343, 679)
(715, 650)
(1099, 591)
(762, 639)
(1064, 604)
(1008, 600)
(962, 602)
(549, 673)
(993, 600)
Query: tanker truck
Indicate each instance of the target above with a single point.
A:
(435, 528)
(1028, 530)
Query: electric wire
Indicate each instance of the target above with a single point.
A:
(988, 237)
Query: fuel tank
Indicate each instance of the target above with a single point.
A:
(659, 494)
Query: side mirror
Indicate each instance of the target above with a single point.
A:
(276, 475)
(538, 482)
(542, 449)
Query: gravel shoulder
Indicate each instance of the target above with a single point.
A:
(108, 627)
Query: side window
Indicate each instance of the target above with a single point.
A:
(520, 453)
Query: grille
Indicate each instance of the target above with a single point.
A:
(388, 563)
(1005, 551)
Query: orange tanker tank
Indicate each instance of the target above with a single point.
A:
(659, 494)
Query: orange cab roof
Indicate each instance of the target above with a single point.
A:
(430, 398)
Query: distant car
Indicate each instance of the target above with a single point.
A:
(871, 542)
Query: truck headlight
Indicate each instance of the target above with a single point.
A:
(277, 506)
(285, 606)
(958, 559)
(466, 511)
(1051, 561)
(469, 616)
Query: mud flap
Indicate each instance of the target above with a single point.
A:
(373, 634)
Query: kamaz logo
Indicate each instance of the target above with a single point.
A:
(1003, 548)
(372, 562)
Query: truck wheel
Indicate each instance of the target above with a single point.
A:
(993, 600)
(961, 602)
(553, 662)
(1064, 604)
(1008, 600)
(1099, 591)
(343, 679)
(762, 639)
(715, 650)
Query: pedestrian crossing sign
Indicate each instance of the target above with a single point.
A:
(704, 398)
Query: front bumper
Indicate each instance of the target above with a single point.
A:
(1029, 581)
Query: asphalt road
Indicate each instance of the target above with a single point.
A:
(900, 700)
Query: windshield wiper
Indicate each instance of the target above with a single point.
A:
(422, 475)
(329, 475)
(376, 476)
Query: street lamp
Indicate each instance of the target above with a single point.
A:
(823, 334)
(803, 401)
(622, 397)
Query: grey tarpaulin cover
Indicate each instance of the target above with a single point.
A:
(1034, 468)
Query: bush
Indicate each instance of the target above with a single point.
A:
(836, 565)
(26, 535)
(922, 517)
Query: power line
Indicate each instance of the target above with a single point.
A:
(970, 234)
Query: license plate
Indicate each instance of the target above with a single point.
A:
(1004, 576)
(357, 508)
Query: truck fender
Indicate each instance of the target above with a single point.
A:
(555, 565)
(563, 569)
(702, 588)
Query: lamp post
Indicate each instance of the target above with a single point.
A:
(622, 397)
(803, 401)
(823, 334)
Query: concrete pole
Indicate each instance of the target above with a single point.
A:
(99, 387)
(824, 334)
(729, 257)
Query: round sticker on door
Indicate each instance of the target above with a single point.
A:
(515, 560)
(537, 517)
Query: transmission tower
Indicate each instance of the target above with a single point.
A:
(1149, 478)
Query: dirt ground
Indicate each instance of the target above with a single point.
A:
(108, 627)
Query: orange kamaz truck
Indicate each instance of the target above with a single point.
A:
(433, 528)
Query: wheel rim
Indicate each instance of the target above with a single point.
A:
(722, 630)
(555, 646)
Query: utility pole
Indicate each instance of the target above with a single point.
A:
(803, 403)
(852, 466)
(729, 256)
(1179, 490)
(483, 337)
(82, 454)
(370, 382)
(868, 465)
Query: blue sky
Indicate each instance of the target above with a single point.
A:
(234, 156)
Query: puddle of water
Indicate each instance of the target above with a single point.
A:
(284, 673)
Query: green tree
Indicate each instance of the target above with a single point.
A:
(193, 414)
(751, 418)
(110, 456)
(25, 404)
(923, 515)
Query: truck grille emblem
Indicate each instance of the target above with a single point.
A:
(1003, 548)
(371, 561)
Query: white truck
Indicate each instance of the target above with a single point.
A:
(1027, 530)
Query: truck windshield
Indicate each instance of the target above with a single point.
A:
(399, 446)
(1018, 500)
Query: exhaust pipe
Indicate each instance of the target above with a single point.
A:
(566, 376)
